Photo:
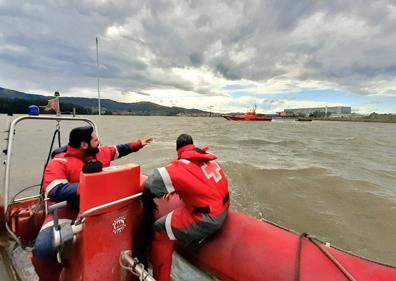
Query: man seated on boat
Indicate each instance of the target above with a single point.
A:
(200, 182)
(61, 178)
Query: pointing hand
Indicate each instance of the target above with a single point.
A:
(146, 141)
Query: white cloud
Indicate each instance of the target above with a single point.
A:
(336, 27)
(380, 88)
(13, 49)
(199, 48)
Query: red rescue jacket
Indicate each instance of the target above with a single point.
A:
(197, 178)
(62, 174)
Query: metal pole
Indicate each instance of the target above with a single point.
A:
(97, 67)
(7, 125)
(106, 205)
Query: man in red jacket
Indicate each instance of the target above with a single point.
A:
(200, 182)
(61, 178)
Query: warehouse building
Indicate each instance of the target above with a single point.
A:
(326, 111)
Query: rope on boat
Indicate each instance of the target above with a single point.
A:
(343, 270)
(134, 266)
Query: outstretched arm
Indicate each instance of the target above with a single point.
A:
(122, 150)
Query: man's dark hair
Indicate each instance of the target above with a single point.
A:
(93, 166)
(183, 140)
(80, 134)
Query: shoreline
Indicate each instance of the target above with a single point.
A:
(354, 120)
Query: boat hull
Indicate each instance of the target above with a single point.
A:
(249, 249)
(244, 249)
(247, 118)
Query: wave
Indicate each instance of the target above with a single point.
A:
(260, 174)
(260, 142)
(347, 212)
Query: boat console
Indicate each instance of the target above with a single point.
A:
(106, 226)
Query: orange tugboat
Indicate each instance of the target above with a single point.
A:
(248, 116)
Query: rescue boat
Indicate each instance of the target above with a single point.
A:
(248, 116)
(103, 241)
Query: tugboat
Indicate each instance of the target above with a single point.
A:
(248, 116)
(101, 243)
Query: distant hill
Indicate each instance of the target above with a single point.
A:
(90, 104)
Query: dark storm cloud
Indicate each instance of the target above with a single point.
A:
(349, 44)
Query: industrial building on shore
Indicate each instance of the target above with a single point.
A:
(325, 111)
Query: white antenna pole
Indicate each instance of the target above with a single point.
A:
(97, 66)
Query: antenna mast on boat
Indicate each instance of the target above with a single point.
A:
(210, 110)
(57, 103)
(97, 66)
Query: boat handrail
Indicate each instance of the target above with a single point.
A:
(26, 198)
(106, 205)
(11, 139)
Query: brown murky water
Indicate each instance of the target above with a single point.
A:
(334, 180)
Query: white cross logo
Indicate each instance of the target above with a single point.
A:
(212, 171)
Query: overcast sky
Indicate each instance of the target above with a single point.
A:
(228, 54)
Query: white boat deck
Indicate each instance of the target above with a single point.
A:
(4, 270)
(14, 258)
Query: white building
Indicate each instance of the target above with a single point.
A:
(328, 110)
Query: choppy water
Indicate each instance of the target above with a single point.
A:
(335, 180)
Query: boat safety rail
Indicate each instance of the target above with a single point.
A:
(104, 206)
(323, 249)
(62, 230)
(127, 262)
(11, 131)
